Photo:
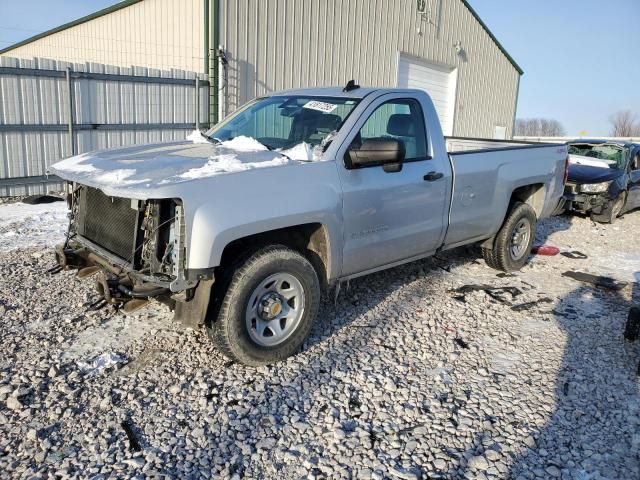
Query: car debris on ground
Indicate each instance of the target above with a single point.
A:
(597, 280)
(546, 250)
(101, 362)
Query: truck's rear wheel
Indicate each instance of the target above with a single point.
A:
(513, 242)
(268, 308)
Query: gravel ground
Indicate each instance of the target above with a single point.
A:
(402, 378)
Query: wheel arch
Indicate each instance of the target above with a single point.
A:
(310, 239)
(533, 195)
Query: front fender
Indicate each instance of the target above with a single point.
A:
(247, 203)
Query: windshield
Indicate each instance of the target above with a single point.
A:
(613, 155)
(285, 121)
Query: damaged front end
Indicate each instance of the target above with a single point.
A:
(135, 249)
(585, 198)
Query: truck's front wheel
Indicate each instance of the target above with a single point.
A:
(513, 242)
(268, 308)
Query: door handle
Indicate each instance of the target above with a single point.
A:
(433, 176)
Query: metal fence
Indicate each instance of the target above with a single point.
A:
(52, 109)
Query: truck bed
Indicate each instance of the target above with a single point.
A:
(486, 172)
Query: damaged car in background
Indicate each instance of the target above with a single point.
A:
(240, 229)
(603, 179)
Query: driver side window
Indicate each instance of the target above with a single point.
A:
(402, 120)
(635, 164)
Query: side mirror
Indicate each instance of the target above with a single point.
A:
(388, 152)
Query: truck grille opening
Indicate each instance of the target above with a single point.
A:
(109, 222)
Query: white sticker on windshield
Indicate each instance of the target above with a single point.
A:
(320, 106)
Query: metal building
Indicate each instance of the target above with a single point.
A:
(250, 47)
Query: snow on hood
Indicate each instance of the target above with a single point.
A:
(592, 162)
(146, 166)
(198, 137)
(234, 163)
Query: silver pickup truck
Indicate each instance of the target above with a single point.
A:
(239, 229)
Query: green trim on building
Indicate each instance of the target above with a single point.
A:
(91, 16)
(214, 41)
(206, 37)
(495, 40)
(515, 110)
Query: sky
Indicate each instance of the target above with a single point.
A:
(580, 57)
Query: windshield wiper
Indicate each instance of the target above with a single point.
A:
(285, 156)
(272, 149)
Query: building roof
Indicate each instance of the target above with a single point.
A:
(493, 37)
(127, 3)
(73, 23)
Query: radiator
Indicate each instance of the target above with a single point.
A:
(109, 222)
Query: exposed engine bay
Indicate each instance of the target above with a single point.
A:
(135, 248)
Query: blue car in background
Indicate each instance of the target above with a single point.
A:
(603, 179)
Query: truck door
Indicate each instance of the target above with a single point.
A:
(633, 196)
(390, 216)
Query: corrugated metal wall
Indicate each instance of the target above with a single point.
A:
(122, 112)
(161, 34)
(279, 44)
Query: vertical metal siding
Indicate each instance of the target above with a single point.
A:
(279, 44)
(155, 33)
(37, 100)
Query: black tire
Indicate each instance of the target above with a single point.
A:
(501, 257)
(229, 330)
(612, 212)
(632, 327)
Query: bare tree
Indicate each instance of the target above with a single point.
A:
(624, 124)
(539, 127)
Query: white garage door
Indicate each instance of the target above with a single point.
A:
(439, 82)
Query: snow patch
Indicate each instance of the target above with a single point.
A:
(256, 156)
(244, 144)
(116, 334)
(115, 176)
(229, 164)
(198, 137)
(591, 162)
(133, 171)
(76, 165)
(303, 151)
(25, 226)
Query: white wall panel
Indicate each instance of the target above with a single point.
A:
(155, 33)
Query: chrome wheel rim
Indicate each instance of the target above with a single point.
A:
(520, 237)
(275, 309)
